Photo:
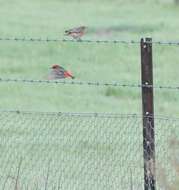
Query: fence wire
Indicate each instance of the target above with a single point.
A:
(68, 40)
(30, 39)
(81, 151)
(89, 83)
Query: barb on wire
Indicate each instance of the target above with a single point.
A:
(32, 39)
(89, 83)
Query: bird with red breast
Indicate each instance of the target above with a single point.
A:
(76, 33)
(58, 72)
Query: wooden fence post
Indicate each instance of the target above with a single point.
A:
(148, 114)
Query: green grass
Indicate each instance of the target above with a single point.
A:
(93, 62)
(116, 19)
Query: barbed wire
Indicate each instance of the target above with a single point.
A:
(67, 40)
(30, 39)
(72, 114)
(91, 114)
(89, 83)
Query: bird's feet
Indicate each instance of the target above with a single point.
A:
(79, 40)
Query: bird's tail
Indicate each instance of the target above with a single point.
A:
(68, 74)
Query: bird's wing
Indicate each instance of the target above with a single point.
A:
(74, 30)
(60, 74)
(56, 75)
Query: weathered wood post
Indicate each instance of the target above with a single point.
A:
(148, 114)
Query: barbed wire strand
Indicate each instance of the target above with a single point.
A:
(91, 114)
(89, 83)
(68, 40)
(30, 39)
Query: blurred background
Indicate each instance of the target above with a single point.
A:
(106, 20)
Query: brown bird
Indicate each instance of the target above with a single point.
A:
(58, 72)
(76, 33)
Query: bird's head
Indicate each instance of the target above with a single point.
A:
(83, 27)
(55, 67)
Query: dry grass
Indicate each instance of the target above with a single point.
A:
(162, 177)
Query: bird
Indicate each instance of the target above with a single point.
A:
(76, 33)
(58, 72)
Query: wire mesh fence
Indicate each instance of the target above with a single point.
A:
(85, 151)
(81, 151)
(166, 139)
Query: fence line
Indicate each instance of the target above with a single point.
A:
(83, 146)
(68, 40)
(90, 114)
(80, 148)
(74, 114)
(85, 128)
(32, 39)
(89, 83)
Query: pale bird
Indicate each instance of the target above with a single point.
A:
(76, 33)
(58, 72)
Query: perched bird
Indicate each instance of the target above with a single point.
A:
(76, 33)
(58, 72)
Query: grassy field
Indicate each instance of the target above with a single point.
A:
(116, 19)
(94, 62)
